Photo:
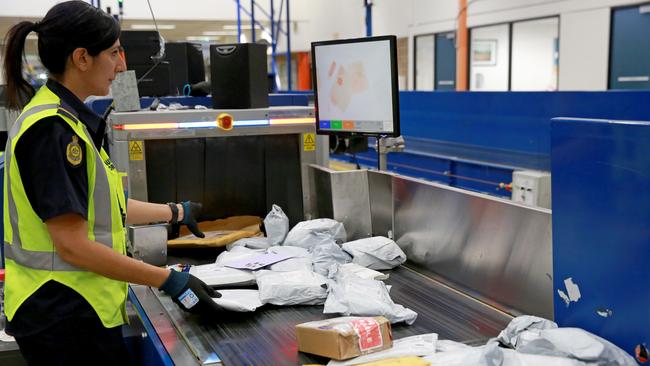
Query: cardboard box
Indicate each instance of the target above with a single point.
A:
(345, 337)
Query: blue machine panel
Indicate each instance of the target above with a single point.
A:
(601, 227)
(481, 137)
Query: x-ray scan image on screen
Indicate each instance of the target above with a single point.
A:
(355, 86)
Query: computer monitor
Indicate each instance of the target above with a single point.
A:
(355, 86)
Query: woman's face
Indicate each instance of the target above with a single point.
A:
(104, 68)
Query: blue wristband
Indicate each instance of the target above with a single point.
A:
(186, 212)
(175, 283)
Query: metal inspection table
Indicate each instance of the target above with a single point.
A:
(267, 336)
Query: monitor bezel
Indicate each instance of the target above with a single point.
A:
(394, 85)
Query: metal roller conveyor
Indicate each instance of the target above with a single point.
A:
(267, 337)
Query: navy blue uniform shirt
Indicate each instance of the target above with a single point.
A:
(54, 187)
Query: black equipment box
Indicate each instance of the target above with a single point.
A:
(239, 78)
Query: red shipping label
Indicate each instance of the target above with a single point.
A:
(369, 333)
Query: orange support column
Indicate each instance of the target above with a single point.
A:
(304, 71)
(462, 35)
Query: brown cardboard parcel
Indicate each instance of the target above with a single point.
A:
(344, 337)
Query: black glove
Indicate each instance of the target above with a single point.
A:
(190, 293)
(192, 210)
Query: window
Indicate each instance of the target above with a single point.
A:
(424, 57)
(518, 56)
(489, 58)
(535, 55)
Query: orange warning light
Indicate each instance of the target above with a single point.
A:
(225, 121)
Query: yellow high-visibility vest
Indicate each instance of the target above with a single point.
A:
(31, 259)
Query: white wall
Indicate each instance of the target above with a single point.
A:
(584, 50)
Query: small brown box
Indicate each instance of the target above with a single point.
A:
(345, 337)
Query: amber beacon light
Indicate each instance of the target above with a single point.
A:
(224, 121)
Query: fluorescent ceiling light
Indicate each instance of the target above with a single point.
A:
(243, 26)
(219, 33)
(152, 27)
(202, 38)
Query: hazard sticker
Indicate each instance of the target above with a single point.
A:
(309, 141)
(369, 333)
(136, 150)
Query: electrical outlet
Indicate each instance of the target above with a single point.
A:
(532, 188)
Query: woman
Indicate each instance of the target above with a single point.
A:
(65, 210)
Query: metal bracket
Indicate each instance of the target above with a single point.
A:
(386, 145)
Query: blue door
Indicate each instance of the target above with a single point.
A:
(630, 48)
(445, 62)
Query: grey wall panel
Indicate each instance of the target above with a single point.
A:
(351, 202)
(381, 202)
(342, 196)
(495, 249)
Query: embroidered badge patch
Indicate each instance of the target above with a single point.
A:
(73, 151)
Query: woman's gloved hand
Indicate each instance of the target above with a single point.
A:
(192, 210)
(191, 294)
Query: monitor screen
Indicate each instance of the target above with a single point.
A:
(355, 86)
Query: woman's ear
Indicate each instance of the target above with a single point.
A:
(80, 59)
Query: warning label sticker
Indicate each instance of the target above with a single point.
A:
(369, 333)
(309, 141)
(135, 150)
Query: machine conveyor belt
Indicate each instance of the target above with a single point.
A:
(267, 337)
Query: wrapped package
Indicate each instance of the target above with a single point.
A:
(300, 261)
(215, 275)
(375, 253)
(345, 337)
(307, 234)
(255, 242)
(538, 336)
(419, 345)
(326, 254)
(236, 254)
(353, 295)
(239, 300)
(276, 224)
(291, 288)
(363, 272)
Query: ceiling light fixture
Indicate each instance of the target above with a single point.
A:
(153, 27)
(219, 33)
(243, 27)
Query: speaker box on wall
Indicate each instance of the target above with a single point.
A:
(239, 77)
(186, 62)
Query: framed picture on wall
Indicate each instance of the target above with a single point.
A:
(484, 52)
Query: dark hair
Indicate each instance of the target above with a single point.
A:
(66, 27)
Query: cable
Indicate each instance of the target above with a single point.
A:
(154, 17)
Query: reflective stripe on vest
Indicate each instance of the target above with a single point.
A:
(101, 227)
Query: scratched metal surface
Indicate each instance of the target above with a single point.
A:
(267, 336)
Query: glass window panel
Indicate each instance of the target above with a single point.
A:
(489, 58)
(424, 56)
(535, 55)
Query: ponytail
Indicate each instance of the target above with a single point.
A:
(19, 91)
(65, 27)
